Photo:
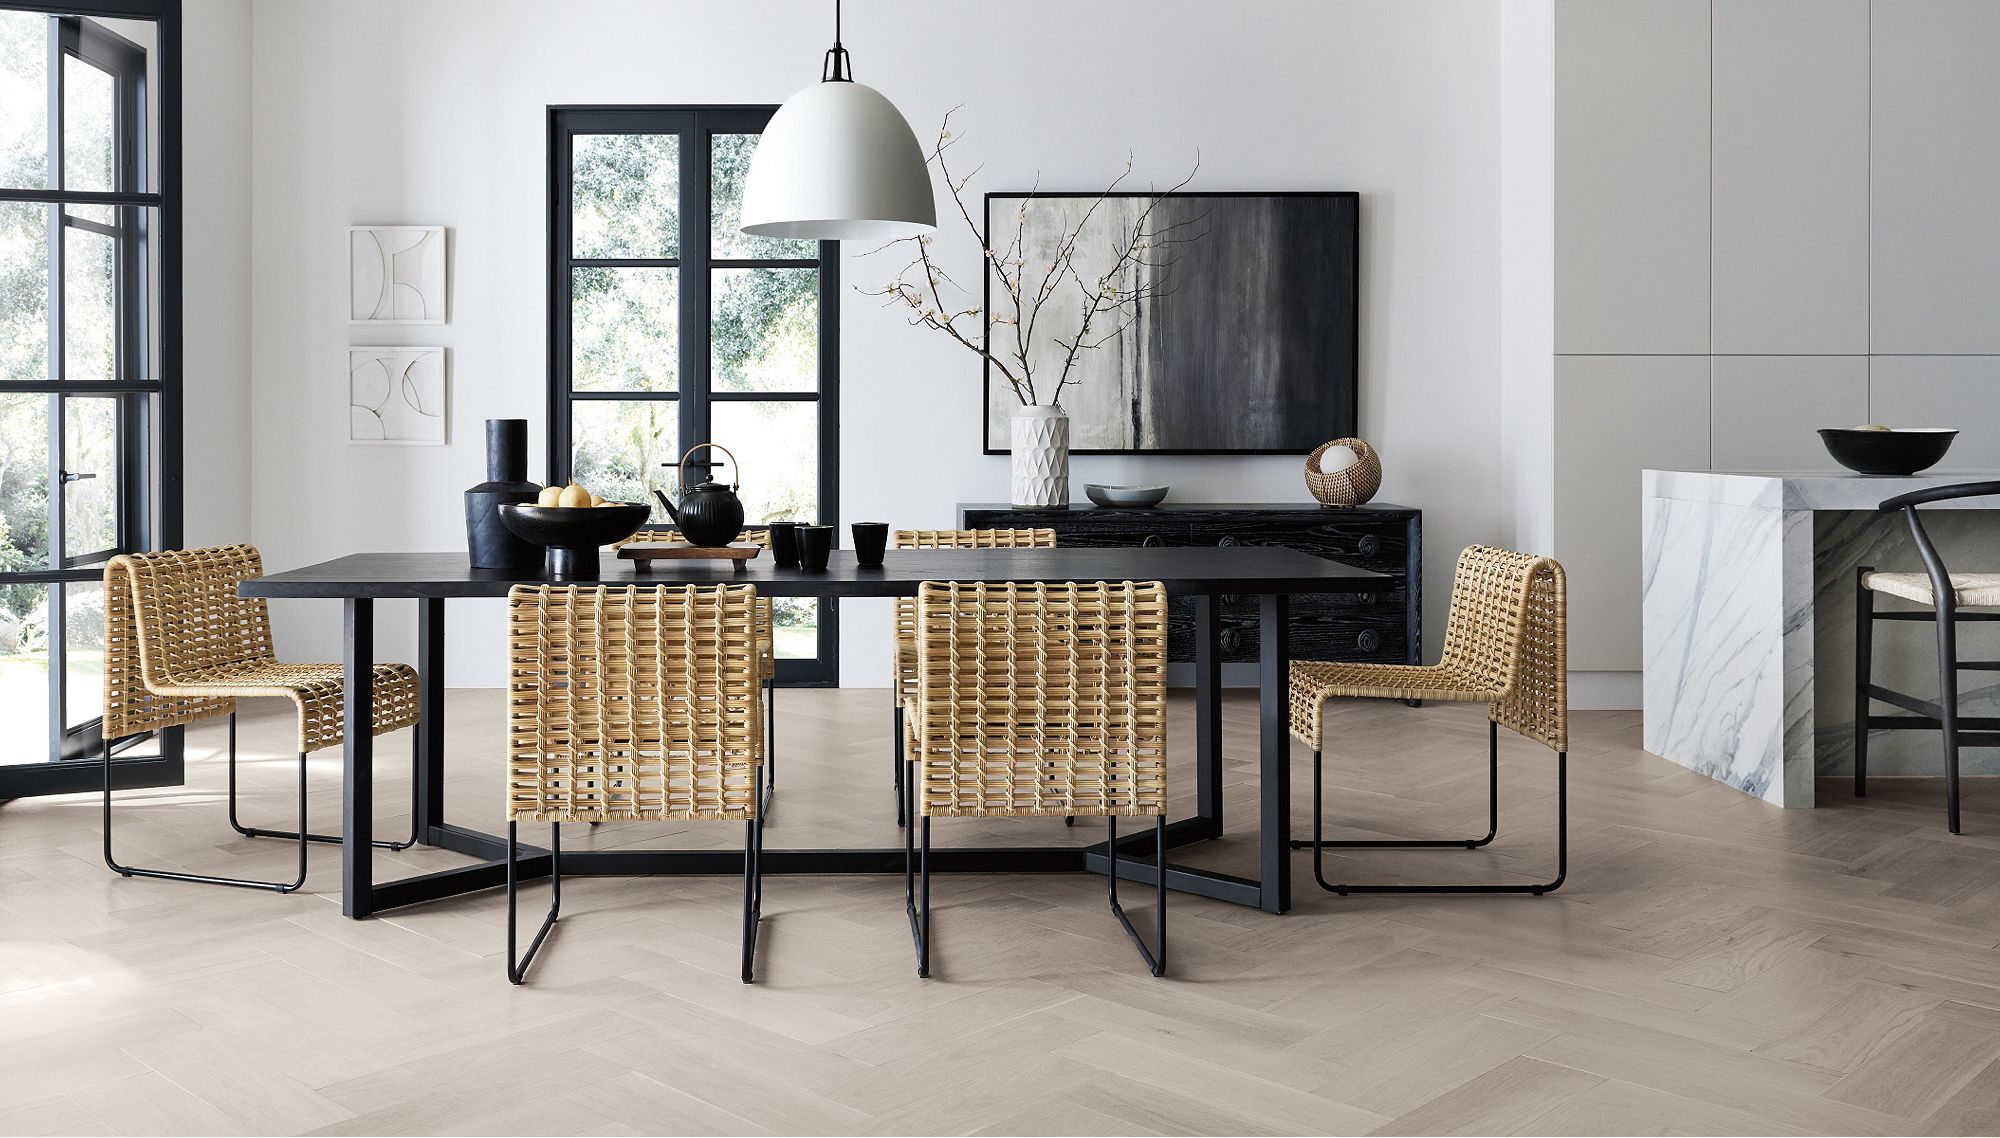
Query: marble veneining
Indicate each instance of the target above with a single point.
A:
(1748, 582)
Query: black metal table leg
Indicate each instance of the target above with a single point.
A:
(430, 724)
(1275, 752)
(1208, 713)
(357, 860)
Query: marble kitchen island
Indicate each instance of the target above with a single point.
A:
(1748, 623)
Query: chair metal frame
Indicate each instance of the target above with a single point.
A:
(1941, 714)
(625, 746)
(1522, 678)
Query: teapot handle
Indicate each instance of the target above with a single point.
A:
(735, 471)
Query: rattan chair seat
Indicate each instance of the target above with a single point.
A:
(1505, 645)
(633, 704)
(1969, 590)
(180, 645)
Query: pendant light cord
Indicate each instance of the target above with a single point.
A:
(837, 68)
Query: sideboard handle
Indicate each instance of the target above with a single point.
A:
(1370, 545)
(1227, 541)
(1153, 541)
(1369, 640)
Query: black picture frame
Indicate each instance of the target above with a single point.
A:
(1341, 413)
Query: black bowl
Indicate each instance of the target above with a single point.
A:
(573, 534)
(1903, 451)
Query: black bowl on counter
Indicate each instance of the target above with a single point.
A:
(572, 535)
(1902, 451)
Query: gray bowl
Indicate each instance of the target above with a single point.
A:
(1127, 496)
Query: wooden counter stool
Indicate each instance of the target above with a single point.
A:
(1039, 701)
(904, 664)
(181, 646)
(633, 704)
(1944, 594)
(1506, 644)
(767, 650)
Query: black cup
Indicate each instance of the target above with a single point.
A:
(815, 547)
(784, 543)
(870, 539)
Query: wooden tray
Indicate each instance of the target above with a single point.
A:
(682, 551)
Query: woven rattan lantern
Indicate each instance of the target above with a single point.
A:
(1349, 486)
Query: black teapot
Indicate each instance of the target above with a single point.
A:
(709, 515)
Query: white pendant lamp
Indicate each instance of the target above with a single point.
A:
(838, 161)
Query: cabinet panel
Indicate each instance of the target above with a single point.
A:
(1791, 176)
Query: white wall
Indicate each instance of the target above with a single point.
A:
(215, 174)
(397, 111)
(1771, 216)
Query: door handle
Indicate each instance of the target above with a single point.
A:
(69, 477)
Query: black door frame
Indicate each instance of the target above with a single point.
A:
(147, 473)
(692, 123)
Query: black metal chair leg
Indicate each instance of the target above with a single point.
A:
(1550, 886)
(1156, 962)
(910, 882)
(753, 889)
(1864, 666)
(1947, 649)
(922, 917)
(517, 968)
(416, 759)
(769, 770)
(1492, 810)
(111, 862)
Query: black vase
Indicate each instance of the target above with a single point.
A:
(490, 544)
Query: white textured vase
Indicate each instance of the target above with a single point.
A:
(1040, 437)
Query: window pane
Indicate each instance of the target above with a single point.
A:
(24, 673)
(729, 157)
(90, 505)
(89, 115)
(24, 100)
(24, 485)
(625, 195)
(83, 651)
(90, 321)
(795, 627)
(776, 444)
(24, 287)
(625, 329)
(616, 448)
(765, 330)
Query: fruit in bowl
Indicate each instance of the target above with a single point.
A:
(571, 523)
(1872, 448)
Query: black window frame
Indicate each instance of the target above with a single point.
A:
(147, 387)
(695, 125)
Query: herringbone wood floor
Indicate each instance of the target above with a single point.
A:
(1713, 966)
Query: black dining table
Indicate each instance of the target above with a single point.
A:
(1204, 574)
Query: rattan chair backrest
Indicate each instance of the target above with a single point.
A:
(1041, 699)
(1508, 628)
(174, 618)
(974, 539)
(632, 703)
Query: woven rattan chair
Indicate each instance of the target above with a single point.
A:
(1039, 701)
(1943, 596)
(904, 662)
(633, 704)
(181, 646)
(767, 650)
(1505, 645)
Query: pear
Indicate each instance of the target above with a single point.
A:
(550, 496)
(596, 500)
(1871, 427)
(574, 497)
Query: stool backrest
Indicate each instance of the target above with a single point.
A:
(1509, 625)
(171, 619)
(1041, 699)
(632, 703)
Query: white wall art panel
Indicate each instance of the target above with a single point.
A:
(396, 274)
(396, 395)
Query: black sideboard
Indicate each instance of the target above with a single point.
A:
(1380, 628)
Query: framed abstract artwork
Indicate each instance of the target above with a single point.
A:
(1247, 342)
(396, 274)
(396, 396)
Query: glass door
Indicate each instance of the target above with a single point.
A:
(81, 390)
(670, 326)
